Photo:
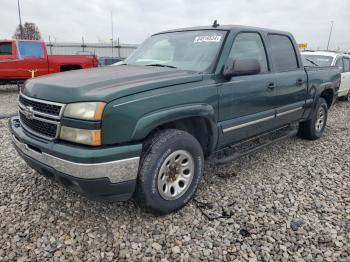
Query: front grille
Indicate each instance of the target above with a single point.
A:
(50, 109)
(39, 117)
(43, 128)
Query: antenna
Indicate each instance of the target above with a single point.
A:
(215, 24)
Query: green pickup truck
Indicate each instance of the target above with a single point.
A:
(144, 128)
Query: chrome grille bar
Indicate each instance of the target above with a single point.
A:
(34, 117)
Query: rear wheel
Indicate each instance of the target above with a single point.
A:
(313, 128)
(170, 172)
(347, 97)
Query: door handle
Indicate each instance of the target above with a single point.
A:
(299, 82)
(270, 86)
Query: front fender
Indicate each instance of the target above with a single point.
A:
(150, 121)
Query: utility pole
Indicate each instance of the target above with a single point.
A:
(112, 31)
(118, 48)
(330, 34)
(20, 19)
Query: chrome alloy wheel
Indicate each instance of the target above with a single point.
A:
(320, 121)
(175, 175)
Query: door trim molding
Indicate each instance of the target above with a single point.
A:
(289, 111)
(248, 124)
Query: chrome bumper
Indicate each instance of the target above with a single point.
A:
(116, 171)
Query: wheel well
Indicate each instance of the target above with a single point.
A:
(199, 127)
(328, 96)
(70, 67)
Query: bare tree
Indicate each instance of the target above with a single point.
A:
(29, 32)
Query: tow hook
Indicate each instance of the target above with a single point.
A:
(16, 123)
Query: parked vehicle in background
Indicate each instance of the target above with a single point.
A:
(145, 127)
(106, 61)
(325, 58)
(23, 59)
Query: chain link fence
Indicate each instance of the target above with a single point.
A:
(98, 49)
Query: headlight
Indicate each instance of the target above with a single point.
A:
(85, 110)
(81, 136)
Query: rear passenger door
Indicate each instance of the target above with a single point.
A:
(291, 82)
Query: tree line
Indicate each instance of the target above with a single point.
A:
(28, 31)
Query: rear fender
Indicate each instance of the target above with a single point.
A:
(317, 92)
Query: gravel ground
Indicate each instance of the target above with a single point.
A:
(8, 100)
(288, 202)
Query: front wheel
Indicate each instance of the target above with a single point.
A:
(171, 170)
(313, 128)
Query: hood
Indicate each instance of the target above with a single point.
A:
(105, 83)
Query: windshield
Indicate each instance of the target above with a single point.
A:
(187, 50)
(317, 60)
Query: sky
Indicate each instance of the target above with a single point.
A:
(135, 20)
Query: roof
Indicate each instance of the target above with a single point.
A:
(226, 28)
(16, 40)
(324, 53)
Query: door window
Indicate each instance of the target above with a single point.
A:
(250, 46)
(283, 53)
(339, 63)
(346, 62)
(30, 49)
(6, 48)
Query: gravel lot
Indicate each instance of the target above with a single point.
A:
(288, 202)
(8, 100)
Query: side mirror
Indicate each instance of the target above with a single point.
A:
(241, 67)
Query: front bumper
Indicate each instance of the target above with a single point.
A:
(107, 173)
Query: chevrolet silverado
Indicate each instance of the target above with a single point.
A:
(143, 129)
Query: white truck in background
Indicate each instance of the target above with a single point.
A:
(328, 58)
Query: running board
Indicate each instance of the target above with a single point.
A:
(246, 147)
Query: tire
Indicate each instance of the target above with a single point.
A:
(347, 97)
(155, 179)
(313, 128)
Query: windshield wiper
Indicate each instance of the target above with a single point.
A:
(312, 62)
(162, 65)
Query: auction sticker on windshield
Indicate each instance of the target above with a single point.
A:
(207, 38)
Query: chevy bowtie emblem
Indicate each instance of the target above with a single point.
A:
(28, 112)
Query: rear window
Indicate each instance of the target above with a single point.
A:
(346, 64)
(283, 54)
(30, 49)
(316, 60)
(6, 48)
(339, 63)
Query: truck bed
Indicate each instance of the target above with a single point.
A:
(323, 75)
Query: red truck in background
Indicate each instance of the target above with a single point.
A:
(23, 59)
